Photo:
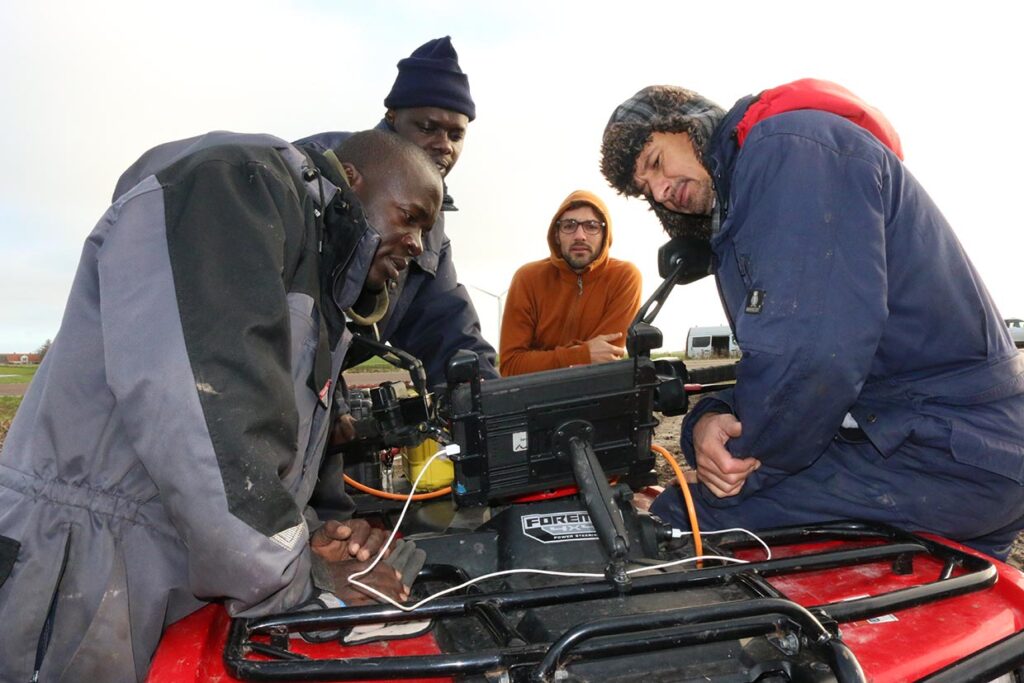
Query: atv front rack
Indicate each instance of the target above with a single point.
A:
(806, 638)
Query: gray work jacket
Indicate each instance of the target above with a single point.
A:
(167, 447)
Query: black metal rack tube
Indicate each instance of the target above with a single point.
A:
(816, 633)
(539, 597)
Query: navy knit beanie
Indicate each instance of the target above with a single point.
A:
(431, 77)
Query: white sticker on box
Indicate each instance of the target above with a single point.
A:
(520, 441)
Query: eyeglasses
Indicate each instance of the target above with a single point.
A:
(567, 226)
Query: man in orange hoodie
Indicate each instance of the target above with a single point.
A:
(574, 307)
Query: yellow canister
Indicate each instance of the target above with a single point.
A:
(438, 475)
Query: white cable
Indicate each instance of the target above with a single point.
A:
(686, 560)
(544, 572)
(453, 449)
(445, 452)
(677, 533)
(446, 591)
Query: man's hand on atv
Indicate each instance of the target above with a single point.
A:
(352, 539)
(392, 577)
(723, 474)
(343, 430)
(383, 578)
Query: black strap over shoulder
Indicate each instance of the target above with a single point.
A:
(8, 554)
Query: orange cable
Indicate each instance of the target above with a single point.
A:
(396, 496)
(698, 547)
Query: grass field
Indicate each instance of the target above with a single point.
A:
(8, 406)
(17, 374)
(372, 365)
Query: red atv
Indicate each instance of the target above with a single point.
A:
(838, 602)
(528, 581)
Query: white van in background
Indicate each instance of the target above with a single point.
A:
(711, 342)
(1016, 326)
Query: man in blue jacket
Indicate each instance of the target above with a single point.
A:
(431, 315)
(877, 380)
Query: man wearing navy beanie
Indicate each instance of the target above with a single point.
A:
(431, 77)
(430, 314)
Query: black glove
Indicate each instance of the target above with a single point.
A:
(407, 559)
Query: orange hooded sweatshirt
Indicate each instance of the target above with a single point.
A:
(552, 311)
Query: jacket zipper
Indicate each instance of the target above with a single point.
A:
(579, 284)
(51, 614)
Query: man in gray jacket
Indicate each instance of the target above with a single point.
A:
(168, 445)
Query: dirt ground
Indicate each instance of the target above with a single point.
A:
(666, 435)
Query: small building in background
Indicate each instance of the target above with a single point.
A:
(711, 342)
(21, 358)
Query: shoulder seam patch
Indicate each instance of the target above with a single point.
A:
(289, 538)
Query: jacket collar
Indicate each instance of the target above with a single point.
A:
(810, 93)
(347, 241)
(724, 149)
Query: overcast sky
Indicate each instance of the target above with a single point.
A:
(88, 86)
